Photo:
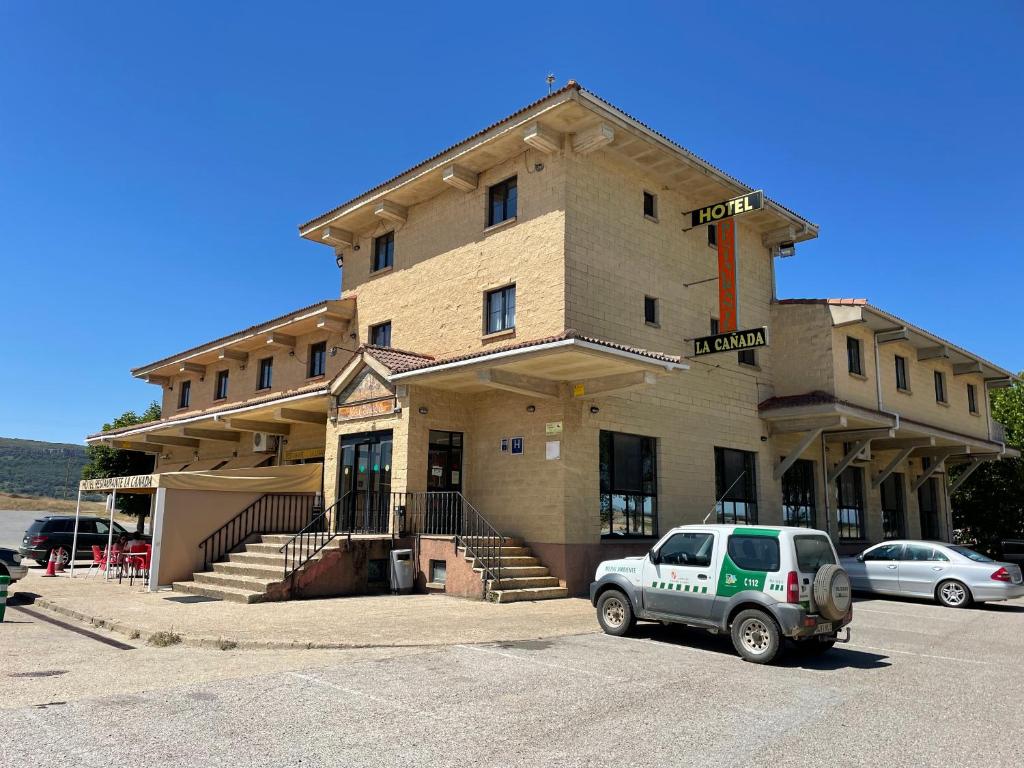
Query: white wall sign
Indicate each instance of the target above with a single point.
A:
(552, 450)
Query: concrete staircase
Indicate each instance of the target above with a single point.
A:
(523, 576)
(247, 576)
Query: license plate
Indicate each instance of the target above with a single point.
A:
(823, 629)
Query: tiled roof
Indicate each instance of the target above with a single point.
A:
(231, 336)
(397, 360)
(404, 362)
(572, 85)
(261, 400)
(833, 302)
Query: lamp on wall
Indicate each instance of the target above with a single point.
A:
(531, 408)
(594, 409)
(422, 410)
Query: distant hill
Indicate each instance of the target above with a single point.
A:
(35, 468)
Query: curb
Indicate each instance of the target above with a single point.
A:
(228, 644)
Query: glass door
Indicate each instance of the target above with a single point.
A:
(364, 484)
(444, 481)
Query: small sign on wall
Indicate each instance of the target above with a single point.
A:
(517, 446)
(553, 428)
(553, 450)
(504, 445)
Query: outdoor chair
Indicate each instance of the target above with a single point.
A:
(98, 560)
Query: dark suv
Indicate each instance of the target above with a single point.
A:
(57, 531)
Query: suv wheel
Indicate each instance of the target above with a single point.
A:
(953, 594)
(614, 613)
(756, 636)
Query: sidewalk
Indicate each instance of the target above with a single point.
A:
(344, 622)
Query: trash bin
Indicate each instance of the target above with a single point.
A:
(402, 572)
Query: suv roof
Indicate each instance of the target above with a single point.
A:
(741, 526)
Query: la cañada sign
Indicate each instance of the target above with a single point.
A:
(729, 342)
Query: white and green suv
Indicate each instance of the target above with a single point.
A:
(759, 583)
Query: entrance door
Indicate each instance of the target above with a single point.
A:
(364, 483)
(928, 503)
(444, 481)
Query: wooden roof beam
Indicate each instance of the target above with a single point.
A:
(542, 139)
(281, 340)
(219, 435)
(272, 427)
(460, 177)
(301, 417)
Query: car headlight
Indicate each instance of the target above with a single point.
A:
(17, 558)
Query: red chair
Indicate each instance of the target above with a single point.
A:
(137, 561)
(98, 560)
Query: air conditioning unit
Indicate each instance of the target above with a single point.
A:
(864, 457)
(264, 442)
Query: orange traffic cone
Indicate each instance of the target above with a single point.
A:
(51, 564)
(60, 560)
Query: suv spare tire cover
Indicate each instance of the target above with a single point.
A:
(832, 592)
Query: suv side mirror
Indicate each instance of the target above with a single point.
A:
(653, 556)
(860, 558)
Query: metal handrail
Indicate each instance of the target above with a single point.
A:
(417, 513)
(270, 513)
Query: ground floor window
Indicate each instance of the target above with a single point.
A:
(629, 490)
(892, 507)
(736, 486)
(928, 504)
(798, 495)
(850, 512)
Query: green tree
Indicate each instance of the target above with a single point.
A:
(104, 461)
(989, 506)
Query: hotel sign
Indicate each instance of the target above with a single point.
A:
(117, 483)
(729, 342)
(709, 214)
(365, 409)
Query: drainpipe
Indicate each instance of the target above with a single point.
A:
(878, 383)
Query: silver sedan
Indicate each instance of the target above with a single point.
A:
(950, 574)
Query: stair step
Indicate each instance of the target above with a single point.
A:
(503, 551)
(525, 582)
(519, 571)
(234, 582)
(273, 572)
(256, 558)
(533, 593)
(276, 539)
(221, 593)
(264, 549)
(505, 561)
(508, 541)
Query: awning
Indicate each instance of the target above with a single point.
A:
(252, 460)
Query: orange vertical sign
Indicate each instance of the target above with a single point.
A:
(726, 275)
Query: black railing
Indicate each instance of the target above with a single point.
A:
(400, 514)
(270, 513)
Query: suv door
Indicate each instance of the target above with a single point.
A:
(921, 567)
(881, 567)
(681, 582)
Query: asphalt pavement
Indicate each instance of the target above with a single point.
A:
(13, 524)
(918, 686)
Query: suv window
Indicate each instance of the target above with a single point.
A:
(884, 552)
(922, 553)
(87, 526)
(754, 553)
(102, 527)
(687, 549)
(812, 552)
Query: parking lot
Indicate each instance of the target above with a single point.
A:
(918, 686)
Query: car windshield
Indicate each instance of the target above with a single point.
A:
(970, 554)
(812, 552)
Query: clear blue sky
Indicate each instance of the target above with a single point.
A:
(156, 158)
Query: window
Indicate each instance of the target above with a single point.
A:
(922, 553)
(853, 359)
(940, 387)
(972, 399)
(220, 391)
(184, 394)
(650, 310)
(501, 202)
(884, 552)
(714, 326)
(693, 549)
(736, 486)
(850, 512)
(747, 357)
(650, 205)
(380, 334)
(383, 251)
(892, 507)
(712, 235)
(266, 377)
(438, 571)
(812, 552)
(970, 554)
(501, 309)
(628, 485)
(798, 495)
(317, 359)
(754, 553)
(901, 374)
